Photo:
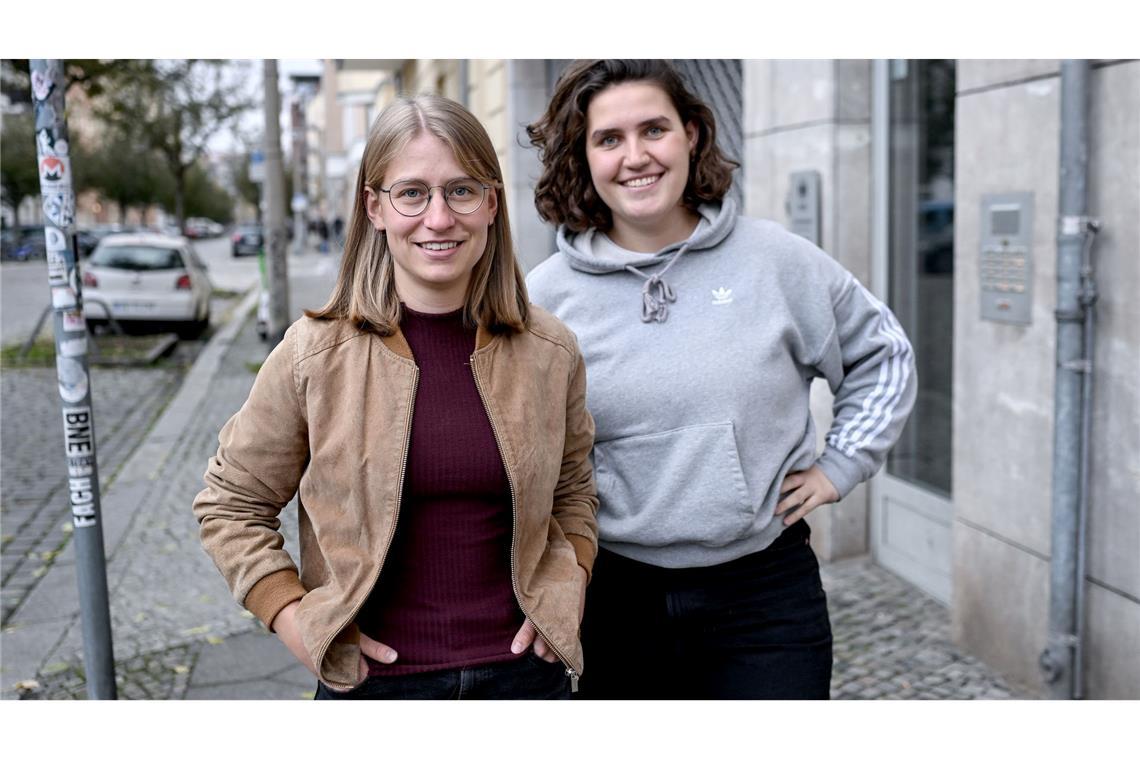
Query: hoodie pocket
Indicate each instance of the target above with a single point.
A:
(680, 486)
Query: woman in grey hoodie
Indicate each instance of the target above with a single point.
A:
(702, 332)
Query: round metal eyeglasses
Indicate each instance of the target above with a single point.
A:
(411, 197)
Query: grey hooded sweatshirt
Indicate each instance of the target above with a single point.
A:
(699, 362)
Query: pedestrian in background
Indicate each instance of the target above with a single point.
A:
(434, 427)
(323, 232)
(702, 331)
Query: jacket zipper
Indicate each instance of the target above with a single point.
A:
(570, 672)
(395, 518)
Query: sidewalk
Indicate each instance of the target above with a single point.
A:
(179, 635)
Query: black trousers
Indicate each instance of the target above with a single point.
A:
(753, 628)
(526, 677)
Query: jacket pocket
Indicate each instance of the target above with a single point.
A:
(680, 486)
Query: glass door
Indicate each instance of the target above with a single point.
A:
(911, 508)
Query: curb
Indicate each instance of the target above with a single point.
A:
(147, 461)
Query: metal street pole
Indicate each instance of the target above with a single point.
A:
(299, 202)
(52, 153)
(276, 264)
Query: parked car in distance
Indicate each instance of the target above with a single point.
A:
(248, 238)
(199, 227)
(85, 243)
(145, 281)
(23, 243)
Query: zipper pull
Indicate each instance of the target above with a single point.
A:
(573, 680)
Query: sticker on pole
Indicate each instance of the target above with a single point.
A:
(78, 438)
(49, 144)
(72, 379)
(55, 173)
(63, 297)
(79, 443)
(73, 346)
(56, 265)
(55, 240)
(59, 208)
(73, 321)
(43, 82)
(80, 482)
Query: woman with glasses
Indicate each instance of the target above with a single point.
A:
(433, 425)
(702, 332)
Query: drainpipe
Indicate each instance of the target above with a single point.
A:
(1076, 294)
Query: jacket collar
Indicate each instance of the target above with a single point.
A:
(398, 344)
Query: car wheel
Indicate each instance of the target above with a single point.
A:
(197, 328)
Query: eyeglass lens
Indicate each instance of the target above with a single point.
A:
(463, 196)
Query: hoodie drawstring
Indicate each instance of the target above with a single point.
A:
(656, 294)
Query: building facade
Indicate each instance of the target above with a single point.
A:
(912, 173)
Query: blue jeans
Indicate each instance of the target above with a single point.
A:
(528, 677)
(753, 628)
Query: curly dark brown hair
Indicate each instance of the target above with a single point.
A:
(565, 192)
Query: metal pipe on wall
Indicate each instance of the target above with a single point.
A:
(1088, 300)
(1072, 390)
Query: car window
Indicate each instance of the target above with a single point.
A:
(138, 258)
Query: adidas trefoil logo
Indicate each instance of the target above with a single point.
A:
(722, 296)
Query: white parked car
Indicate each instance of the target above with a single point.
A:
(147, 278)
(200, 227)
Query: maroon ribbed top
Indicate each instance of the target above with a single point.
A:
(444, 597)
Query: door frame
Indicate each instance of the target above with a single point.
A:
(895, 503)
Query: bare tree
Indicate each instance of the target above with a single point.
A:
(176, 107)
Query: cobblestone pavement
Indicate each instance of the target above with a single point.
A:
(892, 641)
(34, 511)
(35, 520)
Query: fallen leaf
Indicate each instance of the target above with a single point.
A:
(49, 556)
(140, 617)
(30, 685)
(40, 572)
(308, 694)
(247, 614)
(67, 527)
(214, 639)
(181, 669)
(196, 631)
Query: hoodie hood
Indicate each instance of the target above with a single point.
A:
(594, 253)
(586, 251)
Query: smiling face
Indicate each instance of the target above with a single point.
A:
(638, 152)
(433, 253)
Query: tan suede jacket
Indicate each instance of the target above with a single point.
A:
(329, 416)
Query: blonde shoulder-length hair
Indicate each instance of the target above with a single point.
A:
(365, 291)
